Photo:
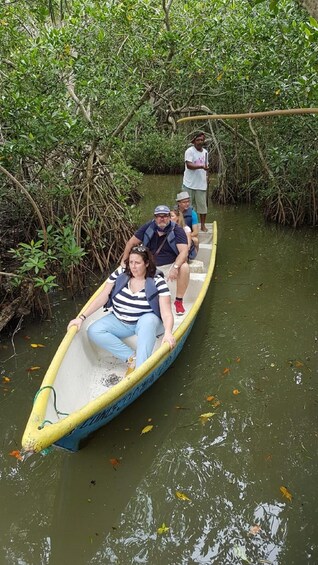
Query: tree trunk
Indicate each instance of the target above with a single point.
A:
(311, 6)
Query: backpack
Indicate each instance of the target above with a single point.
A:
(170, 238)
(187, 215)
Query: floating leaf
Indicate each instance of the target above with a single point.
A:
(149, 420)
(182, 496)
(34, 345)
(146, 429)
(163, 529)
(115, 462)
(205, 417)
(298, 364)
(255, 529)
(36, 368)
(285, 492)
(209, 398)
(216, 403)
(236, 391)
(226, 370)
(17, 454)
(238, 359)
(6, 379)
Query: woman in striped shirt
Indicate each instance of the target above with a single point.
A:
(141, 304)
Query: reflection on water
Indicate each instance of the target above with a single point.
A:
(256, 335)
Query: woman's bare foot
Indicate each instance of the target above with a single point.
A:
(204, 228)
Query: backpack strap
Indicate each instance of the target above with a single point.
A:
(119, 284)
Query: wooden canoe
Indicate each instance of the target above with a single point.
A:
(78, 394)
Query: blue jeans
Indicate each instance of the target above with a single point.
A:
(108, 332)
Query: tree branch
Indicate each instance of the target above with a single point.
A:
(237, 134)
(29, 197)
(70, 90)
(132, 112)
(260, 153)
(166, 5)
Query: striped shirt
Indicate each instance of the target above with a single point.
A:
(128, 306)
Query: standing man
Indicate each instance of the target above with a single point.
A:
(169, 245)
(190, 216)
(195, 178)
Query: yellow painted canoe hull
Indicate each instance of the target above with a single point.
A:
(73, 400)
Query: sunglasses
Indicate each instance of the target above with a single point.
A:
(139, 248)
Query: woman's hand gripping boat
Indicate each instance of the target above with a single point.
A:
(85, 387)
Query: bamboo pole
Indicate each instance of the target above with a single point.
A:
(287, 112)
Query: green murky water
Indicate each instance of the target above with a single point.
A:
(256, 335)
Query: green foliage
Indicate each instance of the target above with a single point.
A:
(126, 178)
(60, 256)
(32, 261)
(61, 240)
(67, 88)
(45, 284)
(32, 257)
(157, 153)
(91, 90)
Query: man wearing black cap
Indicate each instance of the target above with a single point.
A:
(195, 180)
(169, 245)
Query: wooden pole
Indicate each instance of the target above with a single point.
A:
(288, 112)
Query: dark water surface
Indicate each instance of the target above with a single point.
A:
(256, 335)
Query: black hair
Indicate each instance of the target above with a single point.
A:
(197, 134)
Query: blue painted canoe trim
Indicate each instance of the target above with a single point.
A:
(72, 440)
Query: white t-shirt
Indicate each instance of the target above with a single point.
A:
(195, 179)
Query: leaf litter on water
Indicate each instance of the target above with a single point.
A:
(146, 429)
(163, 529)
(182, 496)
(285, 492)
(206, 417)
(17, 454)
